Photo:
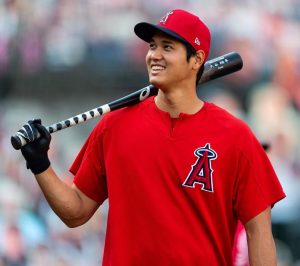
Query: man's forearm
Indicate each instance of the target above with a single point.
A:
(64, 200)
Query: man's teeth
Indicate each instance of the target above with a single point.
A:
(157, 68)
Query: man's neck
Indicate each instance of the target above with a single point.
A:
(178, 101)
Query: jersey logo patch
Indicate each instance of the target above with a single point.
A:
(202, 171)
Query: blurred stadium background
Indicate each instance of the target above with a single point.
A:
(60, 58)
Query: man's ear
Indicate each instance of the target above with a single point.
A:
(199, 59)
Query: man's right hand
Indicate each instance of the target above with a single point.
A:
(36, 152)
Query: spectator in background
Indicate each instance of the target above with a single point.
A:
(14, 251)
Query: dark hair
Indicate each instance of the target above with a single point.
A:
(190, 51)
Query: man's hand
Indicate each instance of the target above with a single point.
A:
(36, 152)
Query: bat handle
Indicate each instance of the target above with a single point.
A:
(18, 140)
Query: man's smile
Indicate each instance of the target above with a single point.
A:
(157, 68)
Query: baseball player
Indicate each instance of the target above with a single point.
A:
(178, 172)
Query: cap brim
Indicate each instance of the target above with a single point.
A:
(146, 31)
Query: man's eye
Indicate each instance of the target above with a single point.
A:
(151, 45)
(168, 47)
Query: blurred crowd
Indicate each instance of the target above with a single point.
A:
(55, 36)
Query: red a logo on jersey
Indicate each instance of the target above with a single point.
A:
(201, 172)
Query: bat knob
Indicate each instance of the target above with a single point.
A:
(16, 142)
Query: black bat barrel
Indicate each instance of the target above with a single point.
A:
(221, 66)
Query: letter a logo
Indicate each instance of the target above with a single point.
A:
(201, 172)
(165, 18)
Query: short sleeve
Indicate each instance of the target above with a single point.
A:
(88, 169)
(257, 186)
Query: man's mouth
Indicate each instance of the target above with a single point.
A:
(155, 68)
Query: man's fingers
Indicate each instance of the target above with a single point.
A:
(43, 131)
(28, 131)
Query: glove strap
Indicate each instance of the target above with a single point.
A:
(39, 166)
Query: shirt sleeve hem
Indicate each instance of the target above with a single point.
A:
(261, 209)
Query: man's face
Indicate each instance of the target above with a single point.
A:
(167, 62)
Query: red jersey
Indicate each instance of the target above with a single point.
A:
(176, 187)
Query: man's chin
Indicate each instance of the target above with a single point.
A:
(156, 82)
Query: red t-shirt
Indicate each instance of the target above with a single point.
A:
(176, 187)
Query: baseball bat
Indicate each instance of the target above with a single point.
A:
(213, 69)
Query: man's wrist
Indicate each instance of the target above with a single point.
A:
(39, 166)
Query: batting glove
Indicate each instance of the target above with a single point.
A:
(36, 151)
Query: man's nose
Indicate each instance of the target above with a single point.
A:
(156, 54)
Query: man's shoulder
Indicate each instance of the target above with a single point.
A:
(223, 117)
(126, 113)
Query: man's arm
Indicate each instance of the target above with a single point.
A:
(261, 245)
(72, 206)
